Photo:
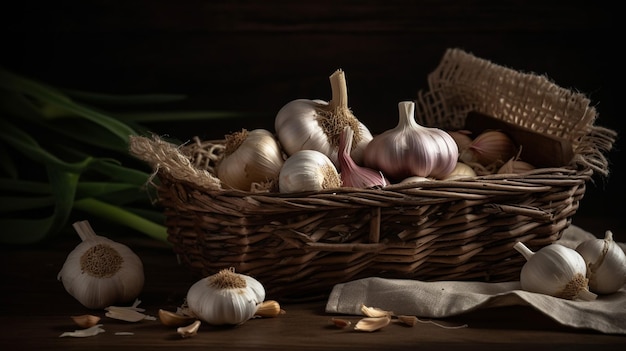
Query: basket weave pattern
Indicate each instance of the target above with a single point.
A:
(300, 245)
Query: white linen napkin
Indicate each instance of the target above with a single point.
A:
(606, 314)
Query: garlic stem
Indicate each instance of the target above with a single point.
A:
(339, 90)
(524, 250)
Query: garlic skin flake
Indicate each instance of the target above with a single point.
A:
(225, 298)
(606, 264)
(555, 270)
(100, 272)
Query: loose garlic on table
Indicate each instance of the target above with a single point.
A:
(555, 270)
(606, 264)
(225, 298)
(100, 272)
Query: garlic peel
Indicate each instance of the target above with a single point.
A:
(83, 333)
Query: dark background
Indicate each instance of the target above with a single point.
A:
(255, 56)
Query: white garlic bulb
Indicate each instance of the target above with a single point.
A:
(555, 270)
(410, 149)
(249, 157)
(460, 171)
(606, 264)
(100, 272)
(225, 298)
(304, 124)
(308, 170)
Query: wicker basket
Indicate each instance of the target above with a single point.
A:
(300, 245)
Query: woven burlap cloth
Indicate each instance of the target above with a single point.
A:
(606, 314)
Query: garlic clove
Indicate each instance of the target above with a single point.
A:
(353, 175)
(190, 330)
(555, 270)
(86, 320)
(606, 264)
(340, 322)
(375, 312)
(269, 308)
(370, 324)
(173, 319)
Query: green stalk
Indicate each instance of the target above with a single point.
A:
(121, 216)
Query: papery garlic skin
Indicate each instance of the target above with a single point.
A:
(225, 298)
(308, 170)
(410, 149)
(250, 157)
(606, 264)
(555, 270)
(100, 272)
(304, 124)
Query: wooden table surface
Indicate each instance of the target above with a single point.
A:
(36, 310)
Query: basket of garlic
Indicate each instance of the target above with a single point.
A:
(320, 200)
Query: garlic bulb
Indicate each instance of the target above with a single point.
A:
(304, 124)
(606, 264)
(100, 272)
(491, 147)
(225, 298)
(352, 174)
(555, 270)
(249, 157)
(462, 138)
(514, 166)
(410, 149)
(308, 170)
(461, 170)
